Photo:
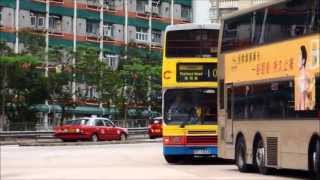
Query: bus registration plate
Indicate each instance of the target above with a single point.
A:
(201, 151)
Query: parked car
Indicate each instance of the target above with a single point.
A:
(155, 128)
(90, 128)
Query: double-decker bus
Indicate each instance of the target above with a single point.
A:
(269, 87)
(189, 84)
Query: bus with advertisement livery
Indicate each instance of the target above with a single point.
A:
(269, 87)
(189, 84)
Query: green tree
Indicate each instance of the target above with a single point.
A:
(21, 87)
(141, 77)
(94, 72)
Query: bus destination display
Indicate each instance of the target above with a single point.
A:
(188, 72)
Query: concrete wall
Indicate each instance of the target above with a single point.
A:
(132, 5)
(131, 33)
(165, 9)
(245, 4)
(81, 27)
(118, 32)
(177, 11)
(162, 37)
(24, 19)
(67, 24)
(8, 17)
(119, 4)
(82, 1)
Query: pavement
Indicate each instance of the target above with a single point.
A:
(142, 161)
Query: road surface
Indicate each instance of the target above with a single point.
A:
(116, 162)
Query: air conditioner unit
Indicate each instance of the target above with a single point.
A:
(107, 33)
(155, 10)
(93, 3)
(147, 8)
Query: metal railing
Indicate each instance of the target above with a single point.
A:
(32, 130)
(49, 134)
(32, 126)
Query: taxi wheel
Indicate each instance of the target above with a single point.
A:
(123, 137)
(172, 159)
(94, 138)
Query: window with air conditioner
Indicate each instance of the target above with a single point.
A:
(112, 60)
(186, 12)
(107, 30)
(40, 22)
(156, 36)
(109, 4)
(142, 34)
(1, 21)
(33, 21)
(147, 8)
(141, 5)
(92, 92)
(55, 23)
(155, 7)
(92, 28)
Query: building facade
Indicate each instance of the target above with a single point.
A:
(117, 22)
(108, 25)
(219, 8)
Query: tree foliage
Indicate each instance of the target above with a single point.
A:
(24, 85)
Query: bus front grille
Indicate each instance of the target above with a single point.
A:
(202, 132)
(202, 140)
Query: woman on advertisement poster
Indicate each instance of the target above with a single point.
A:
(304, 84)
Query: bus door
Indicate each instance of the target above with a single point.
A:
(229, 112)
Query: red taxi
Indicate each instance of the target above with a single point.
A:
(155, 128)
(90, 128)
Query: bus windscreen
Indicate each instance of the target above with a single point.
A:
(190, 106)
(192, 43)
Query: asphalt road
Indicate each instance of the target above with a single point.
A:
(116, 162)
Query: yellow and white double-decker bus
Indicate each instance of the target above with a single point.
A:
(269, 97)
(189, 81)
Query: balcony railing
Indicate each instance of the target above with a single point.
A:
(226, 4)
(255, 2)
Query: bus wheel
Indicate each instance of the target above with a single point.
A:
(172, 159)
(241, 156)
(260, 157)
(315, 160)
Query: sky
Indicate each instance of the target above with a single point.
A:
(201, 11)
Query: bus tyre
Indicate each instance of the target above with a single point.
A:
(172, 159)
(241, 156)
(315, 161)
(260, 157)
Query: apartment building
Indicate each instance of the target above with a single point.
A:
(141, 22)
(108, 25)
(219, 8)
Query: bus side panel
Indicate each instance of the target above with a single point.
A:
(293, 138)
